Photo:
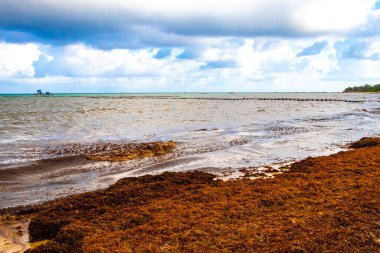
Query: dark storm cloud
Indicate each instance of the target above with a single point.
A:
(118, 24)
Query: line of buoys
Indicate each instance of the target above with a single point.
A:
(228, 99)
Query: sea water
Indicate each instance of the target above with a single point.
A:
(210, 133)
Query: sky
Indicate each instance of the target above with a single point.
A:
(188, 45)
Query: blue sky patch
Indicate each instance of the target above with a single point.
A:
(163, 53)
(314, 49)
(188, 54)
(377, 5)
(219, 65)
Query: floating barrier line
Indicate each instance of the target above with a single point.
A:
(229, 99)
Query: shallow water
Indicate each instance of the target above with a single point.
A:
(210, 133)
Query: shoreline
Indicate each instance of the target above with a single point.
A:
(326, 203)
(75, 172)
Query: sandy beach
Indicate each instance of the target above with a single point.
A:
(322, 204)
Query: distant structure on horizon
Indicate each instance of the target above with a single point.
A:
(40, 93)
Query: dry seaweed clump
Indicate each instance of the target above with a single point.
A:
(134, 151)
(322, 204)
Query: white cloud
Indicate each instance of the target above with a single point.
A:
(273, 60)
(363, 69)
(361, 48)
(260, 64)
(278, 67)
(16, 60)
(258, 58)
(337, 16)
(323, 63)
(80, 60)
(368, 50)
(371, 26)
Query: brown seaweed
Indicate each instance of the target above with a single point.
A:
(322, 204)
(134, 151)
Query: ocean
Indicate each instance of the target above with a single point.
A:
(215, 132)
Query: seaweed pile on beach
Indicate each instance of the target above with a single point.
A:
(322, 204)
(113, 151)
(140, 150)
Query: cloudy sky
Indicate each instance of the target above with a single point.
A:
(188, 45)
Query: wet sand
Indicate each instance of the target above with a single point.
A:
(37, 181)
(14, 234)
(323, 204)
